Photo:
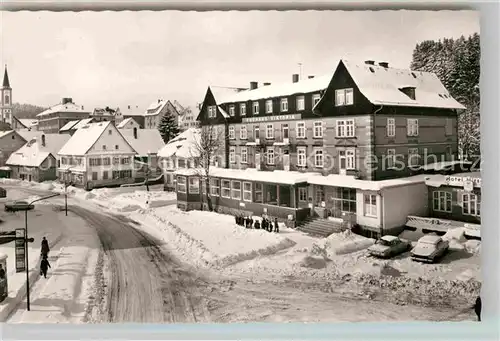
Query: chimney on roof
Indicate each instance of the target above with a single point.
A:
(253, 85)
(135, 132)
(159, 100)
(369, 62)
(310, 77)
(266, 84)
(67, 100)
(129, 106)
(82, 107)
(43, 140)
(384, 64)
(295, 77)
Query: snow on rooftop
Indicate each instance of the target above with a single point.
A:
(223, 112)
(183, 145)
(82, 123)
(348, 181)
(147, 141)
(124, 123)
(5, 133)
(69, 125)
(277, 176)
(438, 180)
(33, 153)
(67, 107)
(155, 107)
(382, 86)
(83, 139)
(29, 134)
(28, 122)
(275, 90)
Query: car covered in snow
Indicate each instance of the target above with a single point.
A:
(389, 246)
(13, 206)
(429, 248)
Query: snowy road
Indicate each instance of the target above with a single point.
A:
(148, 284)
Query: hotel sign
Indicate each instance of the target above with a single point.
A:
(289, 117)
(463, 181)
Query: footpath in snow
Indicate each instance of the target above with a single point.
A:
(63, 297)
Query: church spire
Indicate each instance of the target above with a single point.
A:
(6, 83)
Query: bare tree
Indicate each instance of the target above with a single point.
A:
(206, 148)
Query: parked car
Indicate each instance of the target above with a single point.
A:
(389, 246)
(429, 248)
(13, 206)
(3, 193)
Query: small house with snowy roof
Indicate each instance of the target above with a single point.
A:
(97, 155)
(38, 159)
(180, 152)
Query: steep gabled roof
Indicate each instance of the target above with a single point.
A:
(147, 141)
(382, 86)
(84, 138)
(125, 122)
(183, 145)
(33, 153)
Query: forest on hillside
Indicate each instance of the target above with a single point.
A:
(26, 110)
(457, 64)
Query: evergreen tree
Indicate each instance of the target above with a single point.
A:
(168, 128)
(457, 65)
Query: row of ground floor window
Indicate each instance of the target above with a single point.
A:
(375, 205)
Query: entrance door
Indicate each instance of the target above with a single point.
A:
(286, 160)
(257, 161)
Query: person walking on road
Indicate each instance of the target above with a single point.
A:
(45, 247)
(276, 226)
(44, 267)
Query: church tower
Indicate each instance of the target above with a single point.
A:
(6, 100)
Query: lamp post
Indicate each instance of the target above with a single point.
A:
(26, 245)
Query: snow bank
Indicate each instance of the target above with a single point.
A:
(341, 243)
(218, 239)
(132, 200)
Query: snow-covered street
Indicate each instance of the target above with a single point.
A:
(207, 268)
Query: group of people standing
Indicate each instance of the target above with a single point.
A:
(266, 224)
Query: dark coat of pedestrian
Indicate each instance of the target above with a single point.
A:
(256, 225)
(477, 308)
(270, 227)
(44, 267)
(250, 222)
(276, 226)
(2, 272)
(236, 220)
(45, 247)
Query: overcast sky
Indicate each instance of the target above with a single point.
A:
(121, 58)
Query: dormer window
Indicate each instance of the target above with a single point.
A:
(255, 108)
(344, 97)
(269, 106)
(243, 109)
(408, 91)
(284, 104)
(231, 110)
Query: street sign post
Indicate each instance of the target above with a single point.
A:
(20, 250)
